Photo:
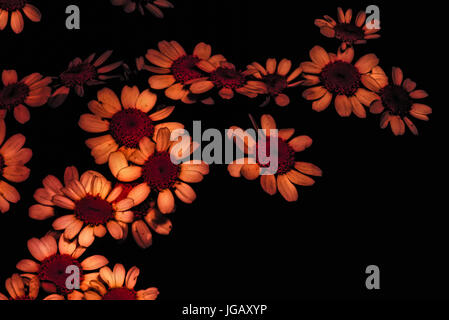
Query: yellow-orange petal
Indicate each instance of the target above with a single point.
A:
(286, 188)
(166, 201)
(268, 183)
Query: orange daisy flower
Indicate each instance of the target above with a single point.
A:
(154, 165)
(145, 216)
(83, 73)
(21, 287)
(289, 171)
(397, 102)
(53, 259)
(277, 79)
(117, 284)
(345, 31)
(12, 166)
(152, 6)
(91, 200)
(338, 77)
(15, 95)
(15, 7)
(176, 69)
(224, 76)
(126, 121)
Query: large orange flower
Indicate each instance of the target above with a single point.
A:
(345, 31)
(159, 173)
(289, 171)
(91, 200)
(13, 159)
(176, 69)
(337, 77)
(53, 259)
(152, 6)
(397, 102)
(83, 73)
(117, 284)
(15, 95)
(15, 8)
(126, 121)
(276, 80)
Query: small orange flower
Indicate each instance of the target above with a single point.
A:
(337, 77)
(117, 284)
(276, 80)
(83, 73)
(289, 171)
(126, 121)
(15, 7)
(345, 31)
(224, 76)
(176, 69)
(158, 171)
(13, 159)
(21, 287)
(53, 259)
(32, 91)
(152, 6)
(397, 101)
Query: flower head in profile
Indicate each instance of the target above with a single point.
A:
(14, 8)
(334, 77)
(124, 122)
(155, 165)
(277, 78)
(21, 287)
(176, 69)
(81, 73)
(224, 76)
(347, 31)
(15, 95)
(146, 216)
(53, 259)
(289, 171)
(13, 158)
(117, 284)
(153, 6)
(90, 200)
(398, 102)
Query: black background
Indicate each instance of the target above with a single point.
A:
(380, 200)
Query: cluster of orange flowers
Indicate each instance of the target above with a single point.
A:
(137, 145)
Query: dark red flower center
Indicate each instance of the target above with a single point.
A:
(285, 155)
(12, 5)
(227, 78)
(396, 99)
(53, 269)
(120, 294)
(159, 171)
(348, 32)
(141, 210)
(93, 210)
(78, 75)
(275, 83)
(12, 95)
(129, 126)
(340, 77)
(184, 69)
